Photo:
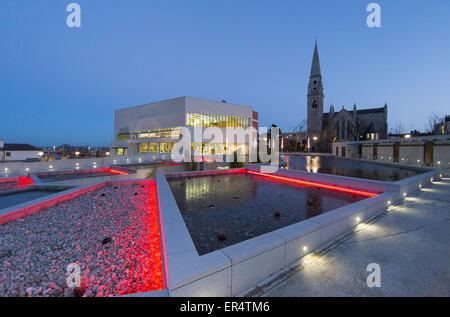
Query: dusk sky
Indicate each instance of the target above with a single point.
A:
(62, 85)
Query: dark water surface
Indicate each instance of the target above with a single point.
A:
(21, 197)
(343, 167)
(72, 176)
(243, 206)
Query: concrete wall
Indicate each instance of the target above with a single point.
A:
(157, 115)
(412, 154)
(351, 150)
(386, 152)
(367, 151)
(19, 155)
(12, 169)
(441, 154)
(410, 151)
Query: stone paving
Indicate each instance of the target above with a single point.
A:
(411, 243)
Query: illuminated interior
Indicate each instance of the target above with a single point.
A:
(210, 120)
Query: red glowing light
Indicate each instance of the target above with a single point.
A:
(302, 182)
(112, 171)
(26, 180)
(13, 183)
(144, 257)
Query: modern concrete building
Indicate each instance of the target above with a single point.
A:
(19, 152)
(150, 127)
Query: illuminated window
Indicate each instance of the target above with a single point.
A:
(162, 133)
(143, 147)
(153, 147)
(193, 119)
(122, 137)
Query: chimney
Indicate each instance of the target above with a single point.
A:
(2, 144)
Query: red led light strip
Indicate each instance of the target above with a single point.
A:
(26, 180)
(116, 172)
(302, 182)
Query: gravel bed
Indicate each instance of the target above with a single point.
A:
(112, 234)
(11, 185)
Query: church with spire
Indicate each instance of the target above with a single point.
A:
(339, 124)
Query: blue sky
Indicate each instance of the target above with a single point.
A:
(61, 85)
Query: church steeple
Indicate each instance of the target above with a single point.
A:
(315, 97)
(315, 67)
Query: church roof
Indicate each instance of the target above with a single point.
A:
(371, 110)
(362, 111)
(20, 147)
(371, 128)
(315, 67)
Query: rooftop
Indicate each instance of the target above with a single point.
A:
(19, 147)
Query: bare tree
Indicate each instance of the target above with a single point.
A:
(399, 128)
(432, 120)
(297, 131)
(330, 132)
(300, 127)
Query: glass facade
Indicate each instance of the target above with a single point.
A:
(163, 147)
(192, 120)
(122, 137)
(157, 134)
(218, 121)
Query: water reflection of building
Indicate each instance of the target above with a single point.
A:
(201, 192)
(312, 164)
(150, 127)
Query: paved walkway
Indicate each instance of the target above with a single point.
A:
(411, 243)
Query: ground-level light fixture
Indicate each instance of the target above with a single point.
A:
(107, 153)
(315, 138)
(41, 153)
(420, 185)
(27, 169)
(404, 194)
(431, 179)
(51, 166)
(439, 162)
(389, 202)
(358, 219)
(305, 248)
(77, 153)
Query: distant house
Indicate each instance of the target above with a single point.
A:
(19, 152)
(443, 127)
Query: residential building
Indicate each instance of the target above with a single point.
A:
(19, 152)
